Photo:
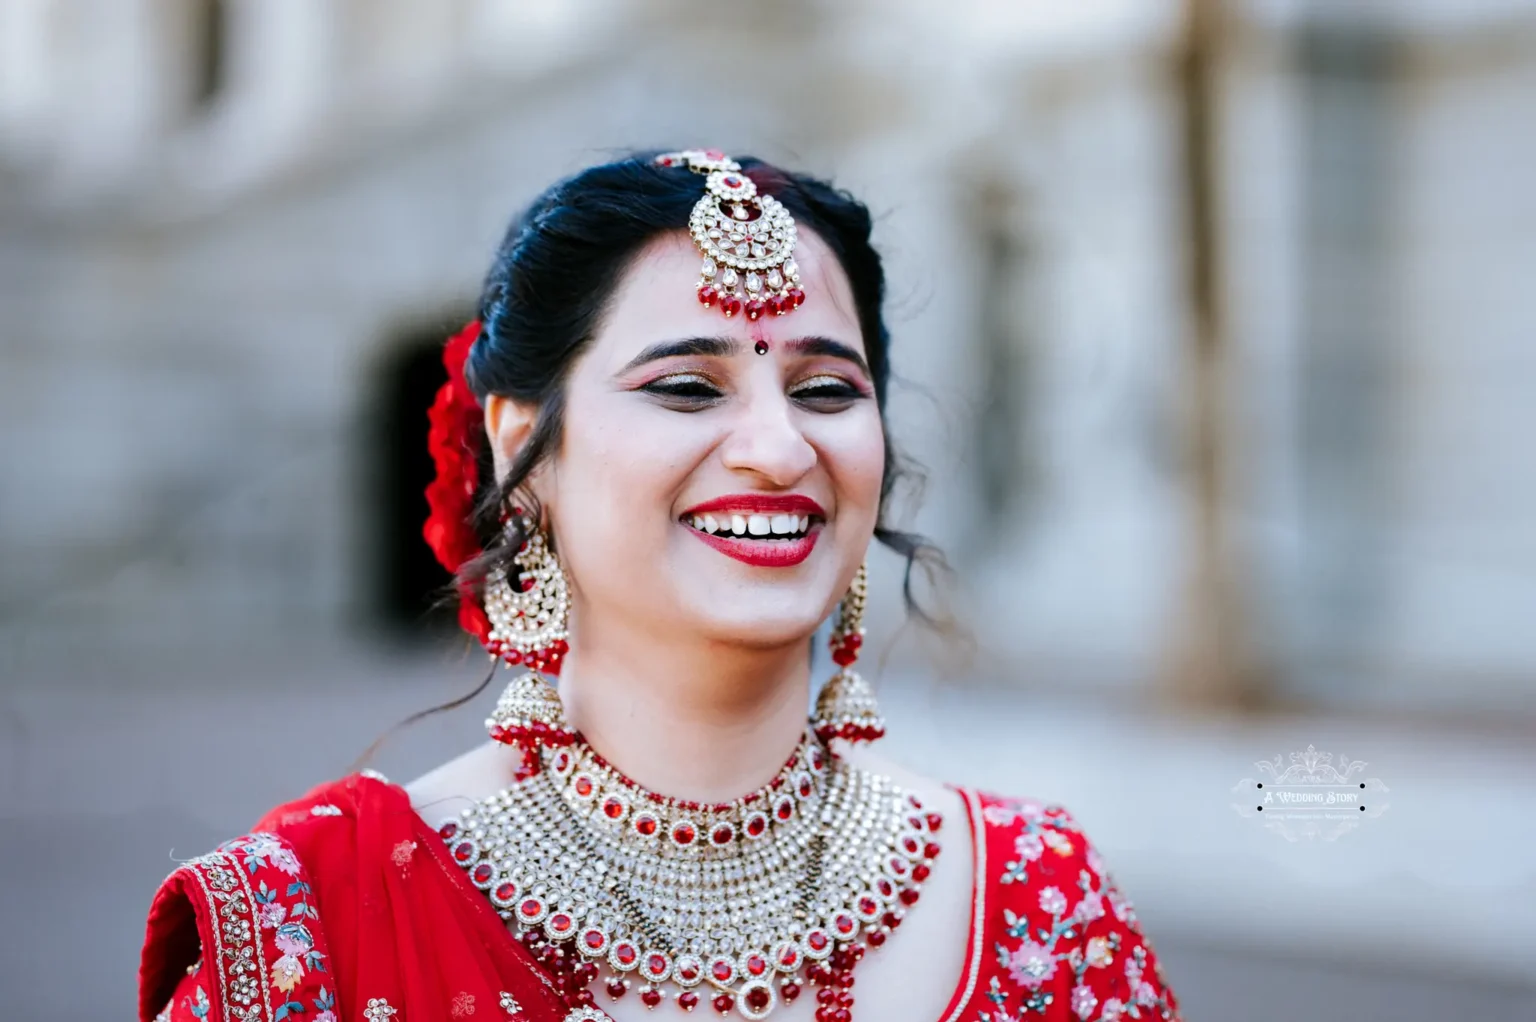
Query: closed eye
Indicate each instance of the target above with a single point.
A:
(685, 391)
(826, 393)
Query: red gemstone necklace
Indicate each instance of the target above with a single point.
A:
(737, 904)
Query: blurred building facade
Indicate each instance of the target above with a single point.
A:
(235, 230)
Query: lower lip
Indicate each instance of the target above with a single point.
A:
(762, 553)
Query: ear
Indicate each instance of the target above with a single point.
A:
(508, 424)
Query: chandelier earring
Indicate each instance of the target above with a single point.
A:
(528, 607)
(846, 707)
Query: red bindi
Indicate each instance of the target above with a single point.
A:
(761, 347)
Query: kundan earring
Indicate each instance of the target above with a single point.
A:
(528, 614)
(846, 707)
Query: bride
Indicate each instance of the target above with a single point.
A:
(658, 495)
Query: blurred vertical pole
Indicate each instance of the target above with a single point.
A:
(1211, 665)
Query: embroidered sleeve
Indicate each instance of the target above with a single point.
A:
(1066, 943)
(189, 1002)
(257, 929)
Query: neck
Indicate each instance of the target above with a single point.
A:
(699, 721)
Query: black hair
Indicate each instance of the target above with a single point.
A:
(561, 262)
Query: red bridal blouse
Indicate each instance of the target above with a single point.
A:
(344, 906)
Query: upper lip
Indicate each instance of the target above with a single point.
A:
(761, 504)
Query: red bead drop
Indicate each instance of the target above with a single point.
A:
(789, 991)
(876, 938)
(920, 872)
(796, 297)
(707, 295)
(650, 998)
(909, 896)
(724, 1003)
(755, 309)
(617, 988)
(687, 1000)
(730, 305)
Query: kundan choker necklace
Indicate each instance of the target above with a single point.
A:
(742, 902)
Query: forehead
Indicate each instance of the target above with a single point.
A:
(656, 301)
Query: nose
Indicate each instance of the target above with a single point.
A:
(766, 442)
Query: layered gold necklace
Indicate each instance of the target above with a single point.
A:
(743, 902)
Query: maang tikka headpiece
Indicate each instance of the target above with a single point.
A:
(746, 239)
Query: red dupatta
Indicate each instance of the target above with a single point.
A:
(340, 907)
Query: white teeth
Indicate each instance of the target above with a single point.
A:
(752, 525)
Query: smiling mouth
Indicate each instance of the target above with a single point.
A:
(758, 529)
(745, 525)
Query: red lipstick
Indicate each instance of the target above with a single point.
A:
(756, 550)
(760, 504)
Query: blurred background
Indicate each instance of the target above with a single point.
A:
(1214, 322)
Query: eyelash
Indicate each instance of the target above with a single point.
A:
(700, 391)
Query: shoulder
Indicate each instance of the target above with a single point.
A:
(1055, 932)
(463, 781)
(243, 922)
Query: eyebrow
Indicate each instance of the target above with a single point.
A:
(827, 346)
(724, 347)
(718, 347)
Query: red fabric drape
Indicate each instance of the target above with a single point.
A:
(342, 899)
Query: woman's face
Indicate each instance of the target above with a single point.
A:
(701, 486)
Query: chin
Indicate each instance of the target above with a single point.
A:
(757, 624)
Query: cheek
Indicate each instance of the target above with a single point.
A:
(618, 471)
(852, 446)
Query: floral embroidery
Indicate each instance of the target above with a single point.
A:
(1063, 941)
(325, 1006)
(378, 1010)
(463, 1004)
(264, 952)
(401, 854)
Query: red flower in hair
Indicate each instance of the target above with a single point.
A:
(456, 429)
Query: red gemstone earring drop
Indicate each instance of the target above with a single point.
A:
(846, 707)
